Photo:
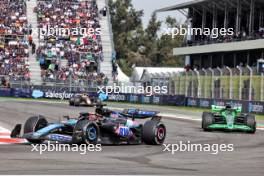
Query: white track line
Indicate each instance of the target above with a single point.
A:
(179, 117)
(4, 130)
(6, 136)
(260, 129)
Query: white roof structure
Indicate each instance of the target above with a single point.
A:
(141, 73)
(122, 77)
(181, 6)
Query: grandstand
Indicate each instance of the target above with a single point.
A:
(30, 51)
(245, 47)
(223, 67)
(14, 46)
(82, 52)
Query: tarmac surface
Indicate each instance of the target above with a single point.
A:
(247, 157)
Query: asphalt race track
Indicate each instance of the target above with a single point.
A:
(246, 159)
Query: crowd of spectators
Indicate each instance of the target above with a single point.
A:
(70, 31)
(14, 46)
(4, 82)
(241, 36)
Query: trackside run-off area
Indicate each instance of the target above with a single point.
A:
(5, 137)
(246, 159)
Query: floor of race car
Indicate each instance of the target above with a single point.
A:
(246, 159)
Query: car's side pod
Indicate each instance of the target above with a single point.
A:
(16, 131)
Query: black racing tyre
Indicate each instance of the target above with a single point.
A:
(207, 120)
(71, 101)
(34, 124)
(77, 101)
(154, 132)
(251, 122)
(91, 134)
(86, 132)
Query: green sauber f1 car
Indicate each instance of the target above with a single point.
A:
(228, 118)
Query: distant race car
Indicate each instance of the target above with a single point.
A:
(104, 126)
(83, 99)
(228, 118)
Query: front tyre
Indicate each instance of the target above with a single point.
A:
(34, 124)
(77, 101)
(86, 132)
(154, 132)
(91, 134)
(251, 122)
(207, 120)
(71, 101)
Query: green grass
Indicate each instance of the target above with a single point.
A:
(29, 99)
(260, 117)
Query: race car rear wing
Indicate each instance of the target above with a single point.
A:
(139, 114)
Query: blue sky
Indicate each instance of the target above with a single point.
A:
(151, 5)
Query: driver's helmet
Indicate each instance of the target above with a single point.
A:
(84, 94)
(114, 115)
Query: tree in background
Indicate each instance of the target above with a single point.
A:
(127, 28)
(166, 44)
(136, 46)
(151, 40)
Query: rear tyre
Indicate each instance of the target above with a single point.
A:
(207, 120)
(34, 124)
(154, 132)
(251, 122)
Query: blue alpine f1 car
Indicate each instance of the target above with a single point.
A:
(104, 126)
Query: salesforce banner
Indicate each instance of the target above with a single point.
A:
(176, 100)
(21, 93)
(5, 92)
(15, 92)
(51, 94)
(55, 94)
(256, 107)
